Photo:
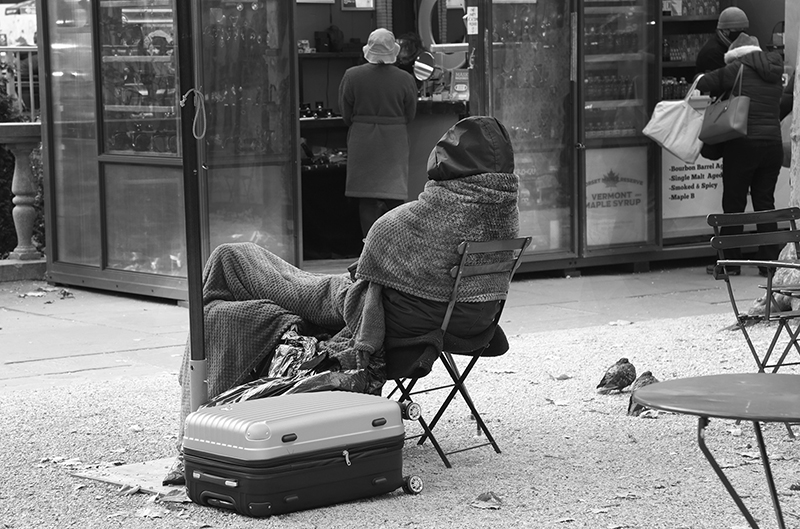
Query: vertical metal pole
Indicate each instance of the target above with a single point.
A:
(773, 492)
(191, 191)
(702, 422)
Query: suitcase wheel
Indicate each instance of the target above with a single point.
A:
(412, 484)
(411, 411)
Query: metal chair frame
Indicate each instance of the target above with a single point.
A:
(515, 248)
(785, 319)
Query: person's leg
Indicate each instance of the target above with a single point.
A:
(738, 166)
(762, 193)
(369, 210)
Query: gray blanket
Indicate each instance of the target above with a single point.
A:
(251, 297)
(413, 246)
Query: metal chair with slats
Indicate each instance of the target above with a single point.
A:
(491, 342)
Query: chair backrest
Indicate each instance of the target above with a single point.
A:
(505, 261)
(745, 240)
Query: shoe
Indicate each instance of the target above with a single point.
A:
(175, 474)
(732, 270)
(763, 271)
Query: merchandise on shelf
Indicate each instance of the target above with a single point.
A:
(686, 8)
(684, 47)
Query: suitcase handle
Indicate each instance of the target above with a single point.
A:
(217, 500)
(217, 480)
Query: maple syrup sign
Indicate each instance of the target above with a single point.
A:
(616, 196)
(690, 190)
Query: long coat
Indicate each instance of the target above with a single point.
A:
(377, 102)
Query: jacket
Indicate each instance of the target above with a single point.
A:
(377, 102)
(761, 82)
(712, 55)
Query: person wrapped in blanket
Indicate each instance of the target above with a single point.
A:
(271, 328)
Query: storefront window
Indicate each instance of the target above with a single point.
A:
(618, 72)
(73, 129)
(248, 146)
(139, 78)
(532, 97)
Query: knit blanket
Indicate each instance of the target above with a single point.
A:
(251, 297)
(413, 247)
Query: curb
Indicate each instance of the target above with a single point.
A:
(16, 270)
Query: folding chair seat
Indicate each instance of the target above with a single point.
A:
(490, 342)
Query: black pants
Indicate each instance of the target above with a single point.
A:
(751, 166)
(371, 209)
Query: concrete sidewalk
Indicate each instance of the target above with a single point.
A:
(53, 334)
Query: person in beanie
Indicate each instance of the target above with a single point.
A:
(750, 165)
(731, 23)
(377, 101)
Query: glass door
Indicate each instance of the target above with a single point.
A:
(618, 70)
(246, 71)
(531, 94)
(140, 145)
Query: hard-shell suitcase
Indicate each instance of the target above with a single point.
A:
(292, 452)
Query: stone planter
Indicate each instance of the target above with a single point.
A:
(21, 139)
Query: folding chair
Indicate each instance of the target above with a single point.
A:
(491, 342)
(785, 319)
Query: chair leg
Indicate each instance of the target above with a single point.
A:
(460, 387)
(458, 381)
(405, 395)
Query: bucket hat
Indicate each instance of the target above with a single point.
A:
(381, 47)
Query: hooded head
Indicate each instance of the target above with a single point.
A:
(743, 45)
(474, 145)
(381, 47)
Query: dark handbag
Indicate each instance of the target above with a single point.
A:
(726, 119)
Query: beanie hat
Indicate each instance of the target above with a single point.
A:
(733, 18)
(381, 47)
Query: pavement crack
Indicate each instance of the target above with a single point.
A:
(100, 353)
(72, 371)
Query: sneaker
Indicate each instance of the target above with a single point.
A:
(732, 270)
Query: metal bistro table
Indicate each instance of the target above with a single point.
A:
(755, 397)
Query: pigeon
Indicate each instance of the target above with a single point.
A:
(617, 377)
(645, 379)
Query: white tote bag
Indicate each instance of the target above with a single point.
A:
(675, 125)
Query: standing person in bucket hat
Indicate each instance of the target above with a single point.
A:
(731, 23)
(377, 101)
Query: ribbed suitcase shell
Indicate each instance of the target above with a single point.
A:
(292, 452)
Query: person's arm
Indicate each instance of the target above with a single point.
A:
(411, 99)
(718, 81)
(346, 99)
(787, 98)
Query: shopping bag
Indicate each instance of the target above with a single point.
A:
(786, 138)
(675, 125)
(726, 119)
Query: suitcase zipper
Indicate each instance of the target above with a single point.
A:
(297, 461)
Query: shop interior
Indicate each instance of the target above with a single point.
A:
(330, 40)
